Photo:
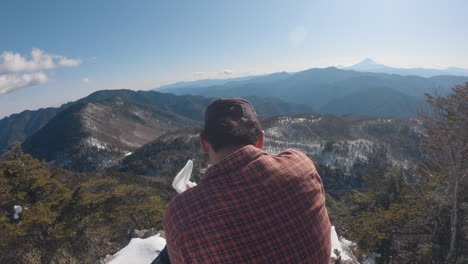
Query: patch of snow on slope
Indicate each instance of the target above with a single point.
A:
(144, 115)
(295, 120)
(341, 248)
(139, 250)
(357, 149)
(95, 143)
(273, 132)
(274, 147)
(346, 153)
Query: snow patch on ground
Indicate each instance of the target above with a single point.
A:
(341, 247)
(144, 251)
(140, 251)
(142, 114)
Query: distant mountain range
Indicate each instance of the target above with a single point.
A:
(368, 65)
(336, 91)
(187, 87)
(203, 83)
(132, 131)
(96, 131)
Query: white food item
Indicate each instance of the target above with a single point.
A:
(182, 179)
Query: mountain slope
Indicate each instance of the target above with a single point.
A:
(17, 127)
(381, 101)
(165, 156)
(344, 151)
(339, 147)
(91, 136)
(318, 134)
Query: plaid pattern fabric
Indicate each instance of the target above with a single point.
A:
(252, 208)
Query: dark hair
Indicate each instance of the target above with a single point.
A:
(232, 133)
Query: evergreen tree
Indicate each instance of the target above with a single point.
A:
(446, 157)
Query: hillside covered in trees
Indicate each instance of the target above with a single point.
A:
(70, 217)
(417, 215)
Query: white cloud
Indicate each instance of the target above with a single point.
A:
(86, 80)
(225, 72)
(11, 82)
(14, 62)
(65, 62)
(297, 36)
(199, 73)
(18, 71)
(249, 72)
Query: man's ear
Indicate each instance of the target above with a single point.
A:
(260, 140)
(205, 146)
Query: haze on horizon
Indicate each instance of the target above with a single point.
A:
(52, 52)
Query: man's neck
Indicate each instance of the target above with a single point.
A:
(218, 156)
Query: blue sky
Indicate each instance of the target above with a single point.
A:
(84, 46)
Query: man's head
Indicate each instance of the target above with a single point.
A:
(230, 123)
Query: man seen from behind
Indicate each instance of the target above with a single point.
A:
(249, 207)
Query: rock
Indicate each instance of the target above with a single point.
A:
(144, 233)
